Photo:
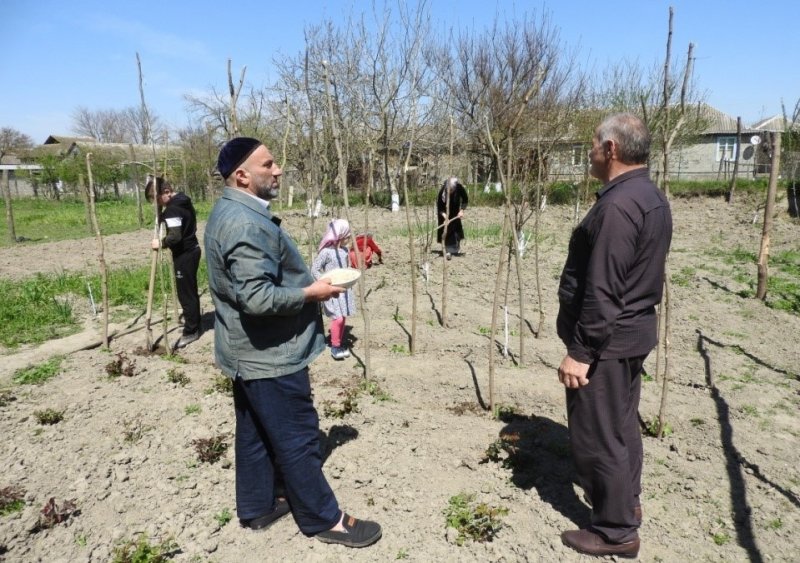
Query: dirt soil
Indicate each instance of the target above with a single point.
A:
(723, 486)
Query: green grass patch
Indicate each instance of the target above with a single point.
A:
(47, 220)
(40, 308)
(34, 375)
(783, 283)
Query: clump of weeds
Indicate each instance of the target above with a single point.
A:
(140, 550)
(503, 449)
(223, 517)
(349, 404)
(474, 521)
(54, 513)
(652, 427)
(48, 416)
(121, 365)
(134, 431)
(35, 375)
(371, 388)
(210, 450)
(6, 398)
(12, 499)
(223, 385)
(177, 377)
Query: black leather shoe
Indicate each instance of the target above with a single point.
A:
(263, 522)
(590, 543)
(357, 533)
(187, 339)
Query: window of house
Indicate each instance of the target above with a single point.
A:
(579, 155)
(726, 148)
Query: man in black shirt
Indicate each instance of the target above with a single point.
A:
(177, 213)
(611, 282)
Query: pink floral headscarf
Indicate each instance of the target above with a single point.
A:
(338, 229)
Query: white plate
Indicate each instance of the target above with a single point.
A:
(342, 277)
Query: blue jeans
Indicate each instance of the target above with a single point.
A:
(277, 436)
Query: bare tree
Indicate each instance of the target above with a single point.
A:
(128, 125)
(494, 82)
(101, 260)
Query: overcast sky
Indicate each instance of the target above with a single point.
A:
(59, 55)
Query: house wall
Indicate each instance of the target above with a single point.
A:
(698, 161)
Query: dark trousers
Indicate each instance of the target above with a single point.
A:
(607, 444)
(186, 264)
(277, 435)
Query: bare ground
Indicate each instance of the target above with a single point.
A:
(724, 486)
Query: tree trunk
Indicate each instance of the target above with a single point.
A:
(135, 170)
(100, 249)
(769, 212)
(732, 187)
(444, 255)
(662, 410)
(342, 176)
(495, 306)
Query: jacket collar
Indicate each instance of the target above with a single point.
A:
(251, 202)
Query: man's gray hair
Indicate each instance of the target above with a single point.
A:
(631, 135)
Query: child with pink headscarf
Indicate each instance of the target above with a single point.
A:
(333, 254)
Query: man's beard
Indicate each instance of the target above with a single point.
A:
(267, 192)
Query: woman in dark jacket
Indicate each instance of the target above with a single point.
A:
(450, 205)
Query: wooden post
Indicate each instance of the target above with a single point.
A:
(12, 235)
(769, 212)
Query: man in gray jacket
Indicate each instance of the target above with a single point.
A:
(268, 329)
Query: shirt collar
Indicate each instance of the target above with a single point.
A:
(644, 171)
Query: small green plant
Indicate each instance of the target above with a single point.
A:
(653, 426)
(776, 524)
(503, 449)
(34, 375)
(48, 416)
(371, 388)
(402, 553)
(504, 412)
(192, 409)
(749, 410)
(478, 522)
(483, 330)
(210, 450)
(175, 358)
(223, 385)
(81, 540)
(53, 513)
(12, 499)
(223, 517)
(177, 377)
(398, 349)
(142, 551)
(721, 538)
(646, 377)
(684, 277)
(121, 365)
(349, 404)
